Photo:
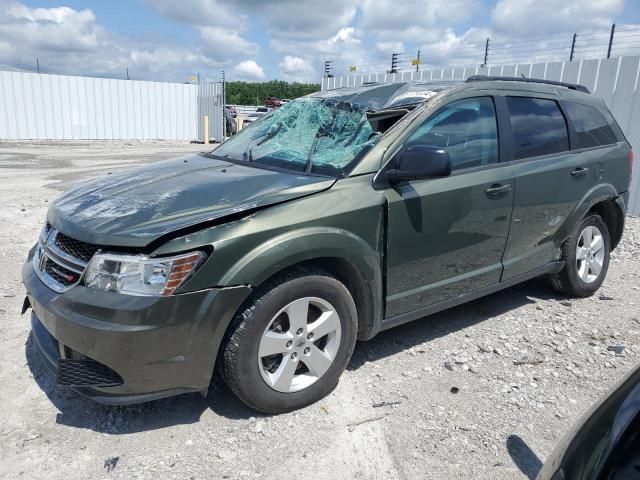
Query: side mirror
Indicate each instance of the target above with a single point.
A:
(420, 162)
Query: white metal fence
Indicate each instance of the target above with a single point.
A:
(210, 103)
(615, 80)
(42, 106)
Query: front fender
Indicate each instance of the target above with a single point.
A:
(294, 247)
(597, 194)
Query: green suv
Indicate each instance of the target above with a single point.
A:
(334, 217)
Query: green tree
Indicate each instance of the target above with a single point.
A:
(255, 93)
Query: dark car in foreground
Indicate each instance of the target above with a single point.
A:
(605, 444)
(334, 217)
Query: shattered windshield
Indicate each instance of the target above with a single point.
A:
(312, 135)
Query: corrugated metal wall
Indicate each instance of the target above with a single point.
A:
(42, 106)
(210, 102)
(615, 80)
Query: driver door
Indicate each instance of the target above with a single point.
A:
(446, 236)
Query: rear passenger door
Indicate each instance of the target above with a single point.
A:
(550, 180)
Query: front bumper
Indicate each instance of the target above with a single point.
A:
(158, 346)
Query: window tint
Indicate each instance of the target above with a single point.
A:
(591, 127)
(538, 127)
(466, 128)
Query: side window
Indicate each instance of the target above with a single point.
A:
(538, 127)
(466, 128)
(590, 125)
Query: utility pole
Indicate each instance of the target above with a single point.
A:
(486, 52)
(573, 48)
(37, 65)
(127, 73)
(327, 68)
(613, 29)
(394, 63)
(224, 105)
(224, 89)
(418, 62)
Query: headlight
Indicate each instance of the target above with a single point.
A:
(140, 275)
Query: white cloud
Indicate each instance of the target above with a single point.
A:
(49, 29)
(70, 41)
(414, 20)
(389, 47)
(452, 49)
(199, 12)
(158, 61)
(248, 70)
(540, 17)
(297, 36)
(305, 20)
(221, 43)
(297, 69)
(344, 35)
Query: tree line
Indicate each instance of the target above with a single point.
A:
(255, 93)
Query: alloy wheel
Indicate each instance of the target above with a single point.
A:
(590, 253)
(299, 344)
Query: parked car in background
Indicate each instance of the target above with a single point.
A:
(230, 124)
(272, 102)
(232, 110)
(605, 443)
(252, 117)
(336, 216)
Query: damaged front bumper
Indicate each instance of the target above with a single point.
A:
(122, 349)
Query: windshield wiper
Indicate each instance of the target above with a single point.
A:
(322, 132)
(272, 132)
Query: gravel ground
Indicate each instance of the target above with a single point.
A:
(484, 390)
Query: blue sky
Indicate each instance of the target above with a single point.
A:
(291, 39)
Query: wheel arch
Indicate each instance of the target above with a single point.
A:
(613, 215)
(338, 252)
(604, 200)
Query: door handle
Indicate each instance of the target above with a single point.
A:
(496, 190)
(579, 172)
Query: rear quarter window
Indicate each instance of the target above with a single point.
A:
(538, 127)
(592, 128)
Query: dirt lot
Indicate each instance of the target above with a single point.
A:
(501, 422)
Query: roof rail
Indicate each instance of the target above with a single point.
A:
(485, 78)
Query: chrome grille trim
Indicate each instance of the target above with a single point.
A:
(48, 251)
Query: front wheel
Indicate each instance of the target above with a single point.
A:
(292, 341)
(586, 254)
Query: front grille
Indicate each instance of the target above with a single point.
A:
(60, 274)
(86, 373)
(59, 260)
(75, 248)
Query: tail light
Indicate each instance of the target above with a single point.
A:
(630, 160)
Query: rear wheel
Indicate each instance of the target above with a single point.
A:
(586, 254)
(289, 346)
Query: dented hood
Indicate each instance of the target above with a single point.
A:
(136, 207)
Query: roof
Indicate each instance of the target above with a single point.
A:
(379, 96)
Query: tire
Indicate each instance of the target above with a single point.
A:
(573, 280)
(258, 379)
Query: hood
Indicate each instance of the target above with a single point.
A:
(136, 207)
